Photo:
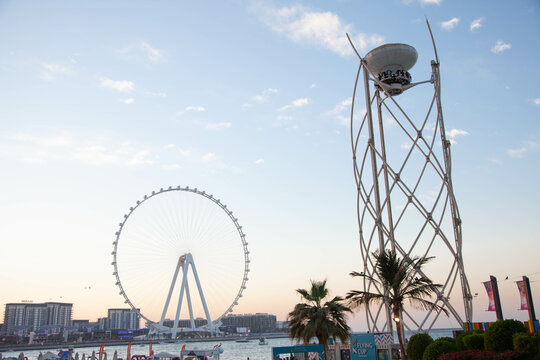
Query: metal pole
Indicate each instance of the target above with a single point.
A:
(173, 282)
(496, 297)
(530, 305)
(376, 190)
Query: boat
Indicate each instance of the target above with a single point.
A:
(195, 354)
(242, 340)
(263, 341)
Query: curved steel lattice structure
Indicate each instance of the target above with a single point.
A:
(405, 198)
(168, 231)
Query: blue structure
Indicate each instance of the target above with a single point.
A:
(276, 351)
(363, 346)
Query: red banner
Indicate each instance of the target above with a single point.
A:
(522, 287)
(489, 289)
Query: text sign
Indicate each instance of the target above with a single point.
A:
(363, 346)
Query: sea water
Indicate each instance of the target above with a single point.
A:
(231, 350)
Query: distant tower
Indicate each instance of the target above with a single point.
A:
(402, 169)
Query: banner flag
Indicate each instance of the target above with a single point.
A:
(522, 287)
(489, 289)
(101, 351)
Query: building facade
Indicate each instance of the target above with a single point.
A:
(49, 317)
(257, 323)
(122, 319)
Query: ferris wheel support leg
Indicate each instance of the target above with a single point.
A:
(190, 308)
(180, 299)
(173, 282)
(207, 313)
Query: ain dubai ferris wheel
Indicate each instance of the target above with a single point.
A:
(180, 253)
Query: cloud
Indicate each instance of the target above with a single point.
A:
(450, 24)
(456, 132)
(264, 95)
(218, 126)
(317, 28)
(209, 157)
(339, 108)
(45, 141)
(195, 108)
(536, 101)
(171, 166)
(423, 2)
(54, 71)
(97, 151)
(517, 153)
(500, 46)
(452, 134)
(127, 101)
(118, 85)
(295, 104)
(477, 23)
(313, 86)
(528, 145)
(153, 55)
(259, 161)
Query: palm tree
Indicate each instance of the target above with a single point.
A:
(316, 318)
(398, 277)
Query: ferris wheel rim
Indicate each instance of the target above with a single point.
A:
(215, 201)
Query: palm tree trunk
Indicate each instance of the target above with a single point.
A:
(401, 338)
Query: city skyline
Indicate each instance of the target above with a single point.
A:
(102, 103)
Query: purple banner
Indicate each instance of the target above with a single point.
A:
(522, 294)
(489, 289)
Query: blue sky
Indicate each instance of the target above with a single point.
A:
(103, 102)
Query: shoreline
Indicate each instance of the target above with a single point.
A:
(66, 345)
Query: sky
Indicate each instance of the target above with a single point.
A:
(103, 102)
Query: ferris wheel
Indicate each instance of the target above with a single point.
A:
(174, 237)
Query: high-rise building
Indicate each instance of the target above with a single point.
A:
(259, 323)
(50, 317)
(122, 319)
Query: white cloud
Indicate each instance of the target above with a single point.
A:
(169, 146)
(259, 161)
(195, 108)
(450, 24)
(45, 141)
(477, 23)
(537, 101)
(118, 85)
(264, 95)
(430, 2)
(54, 71)
(295, 104)
(313, 86)
(339, 108)
(456, 132)
(171, 166)
(127, 101)
(209, 157)
(218, 126)
(321, 29)
(285, 117)
(517, 153)
(500, 46)
(153, 55)
(493, 160)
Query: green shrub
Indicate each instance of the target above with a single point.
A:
(474, 342)
(526, 343)
(499, 335)
(416, 346)
(459, 338)
(439, 347)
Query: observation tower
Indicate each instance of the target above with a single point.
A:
(403, 174)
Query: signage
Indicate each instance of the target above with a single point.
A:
(363, 346)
